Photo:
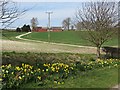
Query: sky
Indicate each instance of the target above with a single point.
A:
(61, 10)
(37, 8)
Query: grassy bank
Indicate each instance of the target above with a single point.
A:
(98, 78)
(58, 70)
(69, 37)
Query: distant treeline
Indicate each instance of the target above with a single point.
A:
(25, 28)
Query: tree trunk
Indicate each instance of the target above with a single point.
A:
(98, 52)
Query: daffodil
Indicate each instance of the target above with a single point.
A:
(6, 71)
(58, 82)
(71, 68)
(53, 69)
(31, 67)
(38, 69)
(4, 75)
(12, 73)
(25, 70)
(9, 66)
(3, 66)
(39, 77)
(22, 64)
(20, 77)
(115, 65)
(0, 79)
(23, 76)
(55, 81)
(3, 70)
(62, 82)
(46, 70)
(17, 68)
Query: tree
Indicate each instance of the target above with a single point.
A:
(34, 23)
(18, 29)
(9, 12)
(78, 26)
(99, 19)
(66, 23)
(72, 27)
(26, 28)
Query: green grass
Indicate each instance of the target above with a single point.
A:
(98, 78)
(69, 37)
(10, 35)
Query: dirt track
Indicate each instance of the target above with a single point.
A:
(21, 46)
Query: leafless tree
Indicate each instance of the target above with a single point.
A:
(79, 26)
(98, 18)
(9, 12)
(66, 23)
(34, 23)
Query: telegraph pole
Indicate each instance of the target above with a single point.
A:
(49, 13)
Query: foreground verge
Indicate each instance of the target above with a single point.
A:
(49, 70)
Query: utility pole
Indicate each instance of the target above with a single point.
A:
(49, 13)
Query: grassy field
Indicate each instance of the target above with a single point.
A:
(10, 35)
(99, 78)
(69, 37)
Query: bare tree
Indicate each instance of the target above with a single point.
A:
(98, 18)
(34, 23)
(9, 12)
(66, 23)
(79, 26)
